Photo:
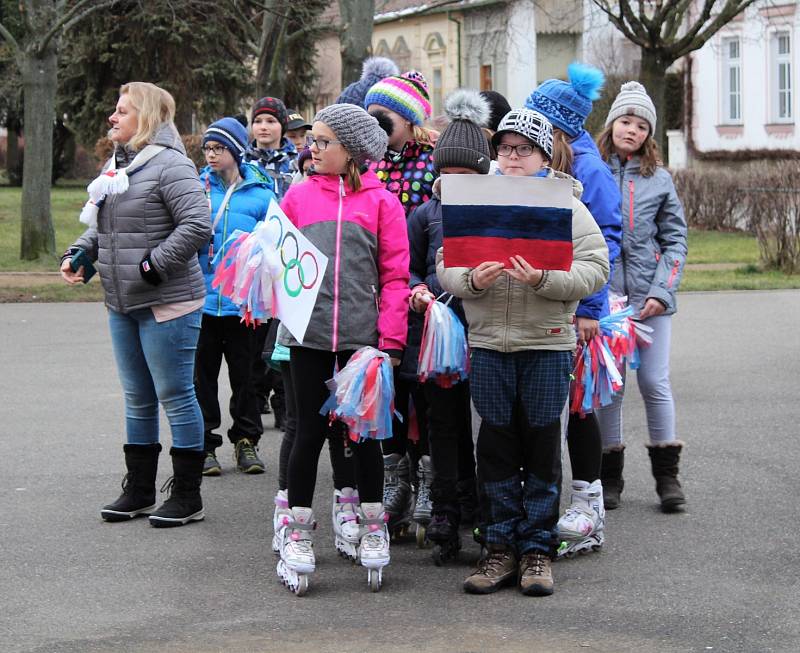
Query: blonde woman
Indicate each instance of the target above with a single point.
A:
(148, 217)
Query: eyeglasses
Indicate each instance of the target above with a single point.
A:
(216, 150)
(522, 150)
(321, 143)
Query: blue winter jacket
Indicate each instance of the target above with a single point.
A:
(601, 196)
(247, 206)
(276, 166)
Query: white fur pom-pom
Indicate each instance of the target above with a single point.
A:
(467, 104)
(89, 214)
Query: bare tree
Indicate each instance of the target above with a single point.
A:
(356, 36)
(36, 57)
(665, 31)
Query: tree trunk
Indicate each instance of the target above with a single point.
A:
(356, 36)
(653, 76)
(39, 91)
(271, 27)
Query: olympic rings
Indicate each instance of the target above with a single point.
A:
(316, 269)
(294, 262)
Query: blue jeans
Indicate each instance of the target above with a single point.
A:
(155, 361)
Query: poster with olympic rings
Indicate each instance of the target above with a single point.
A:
(297, 280)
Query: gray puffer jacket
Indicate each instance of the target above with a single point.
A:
(164, 214)
(653, 236)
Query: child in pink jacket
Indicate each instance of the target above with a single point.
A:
(360, 226)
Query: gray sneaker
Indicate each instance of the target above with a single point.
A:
(211, 466)
(535, 574)
(246, 458)
(497, 569)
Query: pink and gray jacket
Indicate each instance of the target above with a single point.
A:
(363, 299)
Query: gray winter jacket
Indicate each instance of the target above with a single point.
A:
(653, 236)
(163, 214)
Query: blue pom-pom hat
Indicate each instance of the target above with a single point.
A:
(568, 104)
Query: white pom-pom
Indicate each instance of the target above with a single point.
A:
(632, 87)
(89, 214)
(467, 104)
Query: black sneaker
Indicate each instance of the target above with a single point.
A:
(211, 466)
(246, 458)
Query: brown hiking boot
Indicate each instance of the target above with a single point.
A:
(497, 569)
(535, 574)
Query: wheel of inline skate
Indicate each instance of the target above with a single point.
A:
(374, 579)
(420, 536)
(302, 585)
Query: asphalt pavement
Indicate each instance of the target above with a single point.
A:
(723, 576)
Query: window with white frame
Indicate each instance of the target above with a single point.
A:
(731, 81)
(781, 77)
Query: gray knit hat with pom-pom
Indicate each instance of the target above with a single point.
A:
(633, 100)
(463, 144)
(359, 133)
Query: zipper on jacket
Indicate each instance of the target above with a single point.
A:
(377, 311)
(222, 249)
(509, 281)
(335, 339)
(622, 247)
(673, 273)
(630, 204)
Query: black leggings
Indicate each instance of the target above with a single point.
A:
(585, 447)
(309, 369)
(405, 392)
(344, 473)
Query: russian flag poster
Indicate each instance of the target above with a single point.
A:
(494, 217)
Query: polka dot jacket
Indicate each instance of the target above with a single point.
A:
(408, 174)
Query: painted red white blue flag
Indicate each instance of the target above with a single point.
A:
(491, 218)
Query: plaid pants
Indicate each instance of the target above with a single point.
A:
(520, 397)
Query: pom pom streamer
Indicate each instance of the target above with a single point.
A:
(444, 352)
(362, 396)
(245, 268)
(597, 375)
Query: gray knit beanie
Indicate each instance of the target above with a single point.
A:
(633, 100)
(463, 144)
(359, 133)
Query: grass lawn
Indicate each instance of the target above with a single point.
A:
(735, 253)
(722, 247)
(67, 203)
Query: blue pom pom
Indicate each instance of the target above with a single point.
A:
(586, 80)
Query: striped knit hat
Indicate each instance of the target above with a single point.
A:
(633, 100)
(406, 95)
(528, 123)
(230, 133)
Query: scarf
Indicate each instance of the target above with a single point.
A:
(113, 181)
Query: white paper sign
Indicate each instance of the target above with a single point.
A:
(298, 273)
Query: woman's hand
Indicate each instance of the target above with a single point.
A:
(72, 278)
(524, 272)
(652, 307)
(486, 274)
(421, 296)
(586, 328)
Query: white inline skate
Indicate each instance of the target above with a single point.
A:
(281, 510)
(297, 550)
(345, 522)
(580, 530)
(373, 550)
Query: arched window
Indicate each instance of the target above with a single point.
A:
(401, 54)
